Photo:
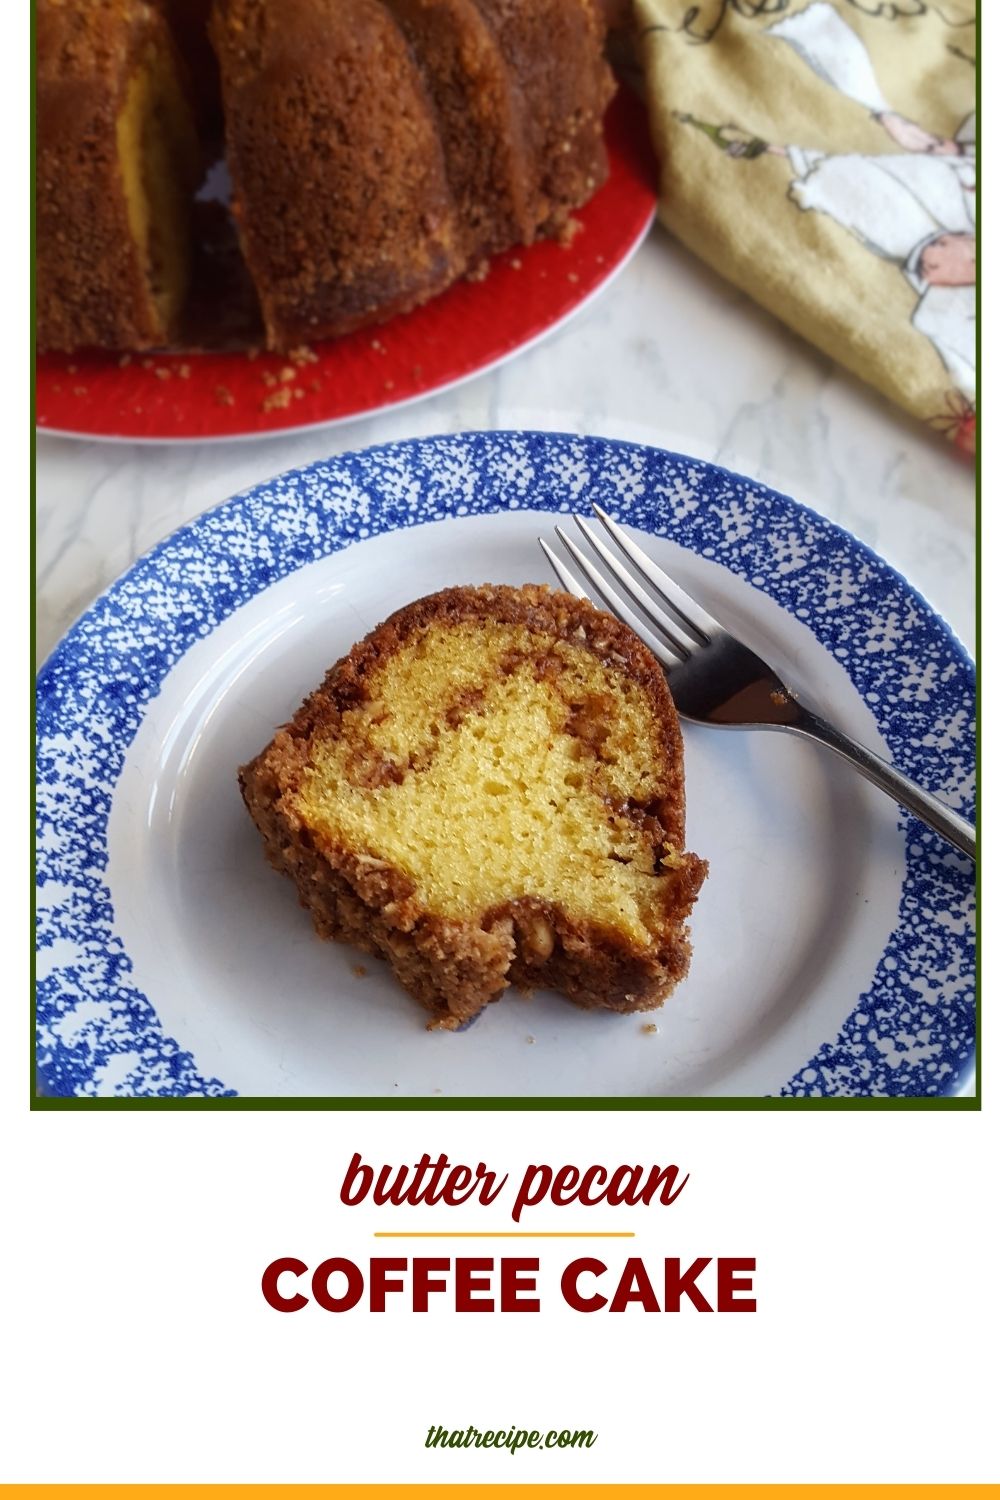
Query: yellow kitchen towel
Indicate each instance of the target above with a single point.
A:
(821, 154)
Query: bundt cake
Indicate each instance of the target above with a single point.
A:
(377, 151)
(489, 790)
(118, 161)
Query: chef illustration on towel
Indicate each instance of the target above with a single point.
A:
(915, 207)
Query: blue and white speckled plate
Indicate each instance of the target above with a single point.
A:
(833, 942)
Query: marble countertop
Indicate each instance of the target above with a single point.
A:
(668, 354)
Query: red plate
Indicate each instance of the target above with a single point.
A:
(466, 330)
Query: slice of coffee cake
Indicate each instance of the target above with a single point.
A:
(489, 790)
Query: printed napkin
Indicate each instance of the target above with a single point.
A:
(821, 154)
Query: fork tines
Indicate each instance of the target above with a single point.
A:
(636, 589)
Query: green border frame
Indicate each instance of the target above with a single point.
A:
(565, 1103)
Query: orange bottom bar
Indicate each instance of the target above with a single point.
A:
(497, 1491)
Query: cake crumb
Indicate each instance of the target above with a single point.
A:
(147, 364)
(278, 400)
(79, 390)
(359, 970)
(162, 373)
(478, 272)
(390, 385)
(572, 276)
(378, 346)
(516, 263)
(569, 231)
(224, 396)
(314, 386)
(303, 355)
(530, 1040)
(72, 369)
(125, 360)
(651, 1028)
(184, 371)
(286, 373)
(253, 353)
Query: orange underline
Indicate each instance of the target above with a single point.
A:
(504, 1234)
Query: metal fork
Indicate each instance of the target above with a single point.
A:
(715, 679)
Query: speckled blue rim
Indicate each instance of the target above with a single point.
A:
(913, 1030)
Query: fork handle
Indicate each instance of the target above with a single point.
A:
(930, 809)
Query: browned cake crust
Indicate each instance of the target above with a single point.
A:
(91, 286)
(379, 151)
(480, 116)
(454, 968)
(339, 184)
(555, 52)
